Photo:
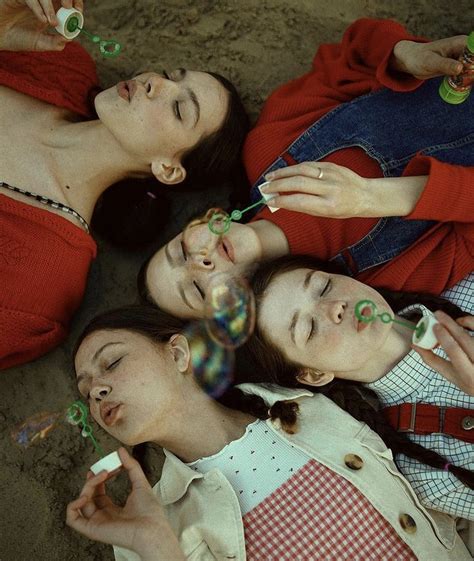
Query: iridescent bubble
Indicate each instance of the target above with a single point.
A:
(229, 310)
(213, 364)
(35, 428)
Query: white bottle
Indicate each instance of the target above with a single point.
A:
(70, 21)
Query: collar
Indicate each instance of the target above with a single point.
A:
(176, 476)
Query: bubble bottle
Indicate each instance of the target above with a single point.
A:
(456, 89)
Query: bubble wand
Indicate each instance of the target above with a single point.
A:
(70, 24)
(219, 222)
(423, 335)
(40, 425)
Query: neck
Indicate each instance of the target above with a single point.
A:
(86, 160)
(272, 239)
(203, 428)
(395, 348)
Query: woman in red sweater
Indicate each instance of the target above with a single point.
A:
(55, 164)
(369, 112)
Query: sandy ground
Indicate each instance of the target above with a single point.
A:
(258, 44)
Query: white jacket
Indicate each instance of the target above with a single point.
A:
(204, 511)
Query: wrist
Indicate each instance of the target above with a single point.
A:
(399, 56)
(394, 196)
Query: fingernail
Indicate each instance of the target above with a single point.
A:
(264, 189)
(270, 175)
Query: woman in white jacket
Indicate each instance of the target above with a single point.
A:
(266, 472)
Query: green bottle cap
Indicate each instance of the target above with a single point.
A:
(452, 96)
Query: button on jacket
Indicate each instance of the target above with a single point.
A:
(204, 512)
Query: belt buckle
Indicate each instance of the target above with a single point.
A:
(411, 428)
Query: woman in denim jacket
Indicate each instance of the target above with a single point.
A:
(264, 472)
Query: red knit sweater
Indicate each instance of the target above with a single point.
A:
(360, 64)
(44, 258)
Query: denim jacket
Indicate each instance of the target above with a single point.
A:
(391, 128)
(204, 511)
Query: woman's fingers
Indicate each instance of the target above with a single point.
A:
(36, 7)
(298, 183)
(45, 42)
(134, 470)
(458, 336)
(467, 322)
(312, 170)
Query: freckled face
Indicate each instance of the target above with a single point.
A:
(179, 273)
(163, 115)
(310, 316)
(135, 377)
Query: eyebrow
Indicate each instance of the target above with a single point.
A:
(192, 96)
(96, 356)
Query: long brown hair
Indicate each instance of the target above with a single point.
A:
(261, 361)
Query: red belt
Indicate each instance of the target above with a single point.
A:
(421, 418)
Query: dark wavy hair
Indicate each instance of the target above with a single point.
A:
(131, 213)
(260, 361)
(158, 327)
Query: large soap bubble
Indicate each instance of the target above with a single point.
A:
(213, 364)
(229, 310)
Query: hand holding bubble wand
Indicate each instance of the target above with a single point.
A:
(220, 221)
(423, 335)
(70, 25)
(39, 426)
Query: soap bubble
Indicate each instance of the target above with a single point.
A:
(213, 364)
(229, 310)
(35, 428)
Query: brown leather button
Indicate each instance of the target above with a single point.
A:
(407, 523)
(353, 461)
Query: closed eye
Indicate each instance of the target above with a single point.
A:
(199, 289)
(112, 365)
(177, 112)
(185, 257)
(327, 288)
(311, 331)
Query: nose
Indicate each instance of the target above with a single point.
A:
(100, 391)
(155, 84)
(334, 309)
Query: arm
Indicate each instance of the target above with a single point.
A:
(24, 24)
(428, 190)
(139, 526)
(333, 191)
(397, 58)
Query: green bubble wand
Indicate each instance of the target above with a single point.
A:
(385, 317)
(77, 415)
(108, 48)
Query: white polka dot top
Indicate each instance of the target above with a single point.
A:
(255, 465)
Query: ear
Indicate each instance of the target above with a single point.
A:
(180, 350)
(169, 173)
(312, 377)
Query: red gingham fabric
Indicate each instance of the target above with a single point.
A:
(319, 515)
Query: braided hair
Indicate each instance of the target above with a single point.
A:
(261, 361)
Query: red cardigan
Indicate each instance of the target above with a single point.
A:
(44, 258)
(445, 254)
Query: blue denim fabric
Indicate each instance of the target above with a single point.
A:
(391, 128)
